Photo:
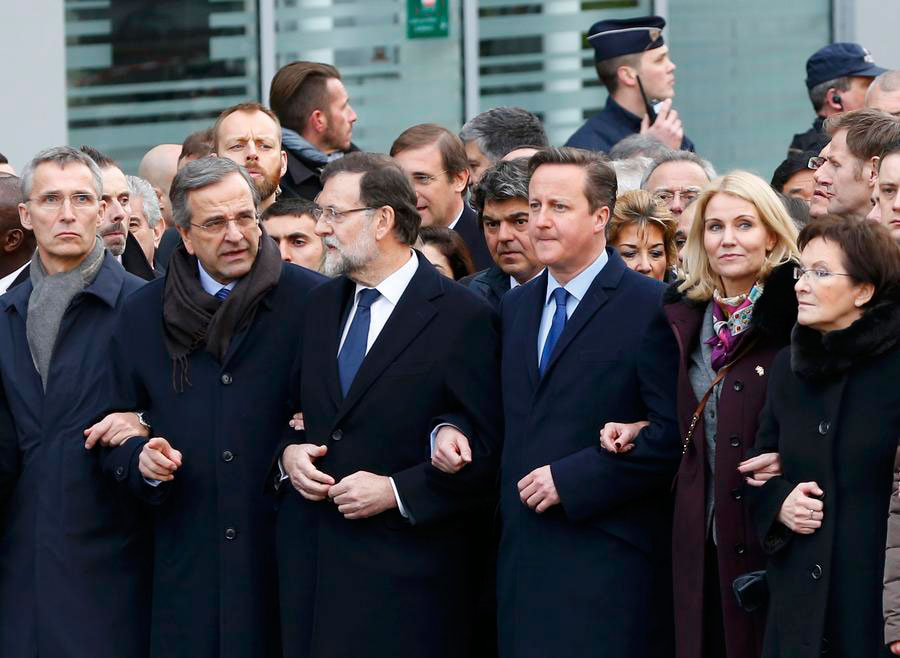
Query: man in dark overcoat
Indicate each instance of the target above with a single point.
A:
(375, 545)
(206, 354)
(74, 573)
(584, 545)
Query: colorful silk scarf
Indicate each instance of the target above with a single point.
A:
(731, 318)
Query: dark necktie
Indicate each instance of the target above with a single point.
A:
(556, 328)
(353, 350)
(223, 294)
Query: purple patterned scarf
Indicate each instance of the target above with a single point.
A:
(731, 319)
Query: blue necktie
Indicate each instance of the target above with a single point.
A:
(556, 328)
(223, 294)
(353, 350)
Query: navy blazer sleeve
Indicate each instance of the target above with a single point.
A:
(592, 482)
(9, 451)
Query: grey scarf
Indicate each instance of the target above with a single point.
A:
(293, 142)
(49, 300)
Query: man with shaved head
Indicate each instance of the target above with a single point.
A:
(158, 167)
(884, 93)
(16, 244)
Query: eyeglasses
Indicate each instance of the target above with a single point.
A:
(688, 195)
(53, 201)
(815, 162)
(425, 179)
(817, 274)
(217, 226)
(334, 216)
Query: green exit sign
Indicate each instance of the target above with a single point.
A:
(427, 19)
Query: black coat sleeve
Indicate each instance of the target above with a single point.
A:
(9, 452)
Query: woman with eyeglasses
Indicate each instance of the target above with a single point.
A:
(833, 415)
(731, 316)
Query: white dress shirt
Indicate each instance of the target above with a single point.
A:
(209, 284)
(6, 281)
(456, 221)
(577, 289)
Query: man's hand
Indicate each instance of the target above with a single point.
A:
(297, 461)
(619, 437)
(538, 491)
(667, 128)
(159, 460)
(761, 468)
(114, 430)
(451, 450)
(800, 512)
(895, 648)
(296, 422)
(362, 495)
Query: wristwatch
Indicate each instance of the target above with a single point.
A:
(142, 420)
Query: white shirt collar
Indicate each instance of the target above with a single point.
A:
(6, 281)
(579, 285)
(461, 210)
(210, 285)
(393, 286)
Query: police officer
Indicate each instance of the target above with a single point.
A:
(633, 62)
(837, 77)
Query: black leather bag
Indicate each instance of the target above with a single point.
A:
(751, 590)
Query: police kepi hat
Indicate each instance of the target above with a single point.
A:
(837, 60)
(623, 36)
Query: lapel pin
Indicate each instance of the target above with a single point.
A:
(760, 371)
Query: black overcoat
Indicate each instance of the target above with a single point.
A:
(74, 568)
(588, 577)
(383, 586)
(833, 412)
(214, 584)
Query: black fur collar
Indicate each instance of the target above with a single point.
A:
(816, 356)
(774, 313)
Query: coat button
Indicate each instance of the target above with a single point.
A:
(120, 472)
(738, 386)
(230, 533)
(337, 435)
(736, 494)
(740, 549)
(735, 442)
(824, 426)
(816, 572)
(227, 456)
(226, 378)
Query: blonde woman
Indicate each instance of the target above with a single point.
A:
(643, 231)
(731, 315)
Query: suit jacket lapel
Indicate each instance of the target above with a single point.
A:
(531, 311)
(333, 317)
(412, 313)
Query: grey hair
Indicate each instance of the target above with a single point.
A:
(199, 174)
(508, 179)
(818, 92)
(500, 130)
(630, 172)
(637, 144)
(887, 81)
(139, 187)
(61, 156)
(678, 156)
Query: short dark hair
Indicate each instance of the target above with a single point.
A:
(868, 131)
(452, 246)
(600, 184)
(294, 206)
(299, 89)
(453, 153)
(10, 198)
(383, 183)
(242, 107)
(103, 161)
(500, 130)
(197, 145)
(797, 208)
(607, 69)
(508, 179)
(870, 253)
(3, 159)
(792, 164)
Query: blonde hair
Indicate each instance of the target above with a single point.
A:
(701, 281)
(641, 208)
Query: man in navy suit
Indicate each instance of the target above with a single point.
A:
(581, 565)
(376, 547)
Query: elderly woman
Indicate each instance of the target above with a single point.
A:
(833, 414)
(731, 316)
(642, 230)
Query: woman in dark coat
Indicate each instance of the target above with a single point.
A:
(833, 414)
(730, 317)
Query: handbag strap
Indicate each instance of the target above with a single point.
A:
(712, 387)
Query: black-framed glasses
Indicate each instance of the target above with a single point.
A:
(333, 216)
(815, 162)
(818, 274)
(217, 226)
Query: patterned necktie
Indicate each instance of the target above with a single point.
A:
(560, 295)
(223, 294)
(353, 350)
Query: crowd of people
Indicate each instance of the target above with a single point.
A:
(480, 396)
